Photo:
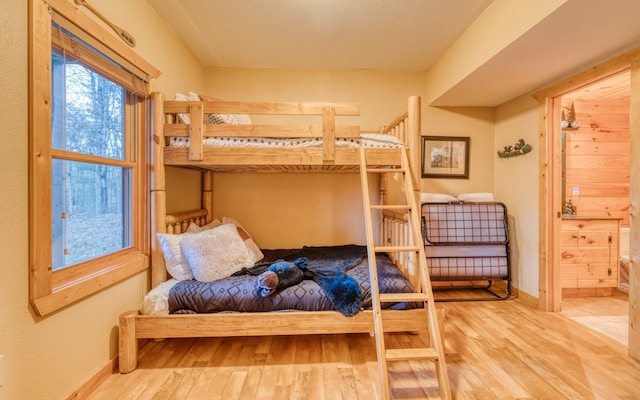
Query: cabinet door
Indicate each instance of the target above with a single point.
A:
(589, 254)
(589, 238)
(568, 267)
(593, 275)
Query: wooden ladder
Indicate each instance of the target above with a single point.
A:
(423, 294)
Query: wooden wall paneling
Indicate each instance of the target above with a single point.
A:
(598, 158)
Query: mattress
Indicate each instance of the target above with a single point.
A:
(369, 140)
(239, 293)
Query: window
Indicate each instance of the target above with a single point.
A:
(88, 184)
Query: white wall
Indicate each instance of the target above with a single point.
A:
(48, 358)
(516, 185)
(475, 123)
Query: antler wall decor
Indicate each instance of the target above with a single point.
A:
(517, 149)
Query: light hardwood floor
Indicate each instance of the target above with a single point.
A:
(607, 315)
(495, 350)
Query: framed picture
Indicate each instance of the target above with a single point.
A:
(445, 157)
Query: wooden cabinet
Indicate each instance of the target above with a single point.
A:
(590, 254)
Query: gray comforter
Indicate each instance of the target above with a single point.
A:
(239, 293)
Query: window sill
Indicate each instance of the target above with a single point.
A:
(69, 294)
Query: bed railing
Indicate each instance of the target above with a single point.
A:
(179, 223)
(399, 127)
(199, 127)
(395, 231)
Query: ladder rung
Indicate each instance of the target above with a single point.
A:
(390, 207)
(402, 297)
(380, 249)
(411, 354)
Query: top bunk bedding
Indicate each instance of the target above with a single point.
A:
(369, 140)
(221, 135)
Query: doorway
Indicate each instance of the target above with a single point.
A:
(551, 189)
(595, 143)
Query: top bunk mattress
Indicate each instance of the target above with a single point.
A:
(368, 140)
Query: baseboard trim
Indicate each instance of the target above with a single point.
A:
(87, 388)
(526, 298)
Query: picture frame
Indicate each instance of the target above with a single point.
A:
(445, 157)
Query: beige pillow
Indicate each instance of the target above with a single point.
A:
(252, 247)
(193, 228)
(215, 253)
(231, 119)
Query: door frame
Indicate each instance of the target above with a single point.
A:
(550, 185)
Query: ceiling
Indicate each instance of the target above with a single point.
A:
(403, 35)
(359, 34)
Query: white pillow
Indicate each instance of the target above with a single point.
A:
(215, 253)
(437, 198)
(176, 266)
(252, 247)
(475, 196)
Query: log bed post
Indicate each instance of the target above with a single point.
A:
(414, 140)
(158, 190)
(415, 146)
(128, 352)
(207, 194)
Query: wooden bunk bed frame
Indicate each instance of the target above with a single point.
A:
(328, 158)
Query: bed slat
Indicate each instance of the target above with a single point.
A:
(265, 108)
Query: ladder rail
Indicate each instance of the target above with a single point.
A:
(373, 277)
(436, 339)
(423, 293)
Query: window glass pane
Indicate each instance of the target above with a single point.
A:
(91, 211)
(88, 110)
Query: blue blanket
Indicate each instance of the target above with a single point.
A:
(330, 273)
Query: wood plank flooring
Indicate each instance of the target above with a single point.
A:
(608, 315)
(495, 350)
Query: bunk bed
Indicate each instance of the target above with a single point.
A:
(188, 134)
